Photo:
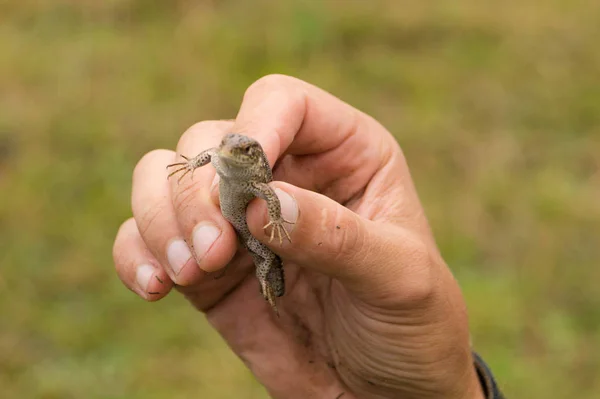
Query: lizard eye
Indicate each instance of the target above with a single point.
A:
(247, 150)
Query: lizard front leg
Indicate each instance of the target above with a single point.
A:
(264, 191)
(191, 164)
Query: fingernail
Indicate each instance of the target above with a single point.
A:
(143, 274)
(204, 236)
(289, 207)
(178, 254)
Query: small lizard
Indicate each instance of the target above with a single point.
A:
(244, 172)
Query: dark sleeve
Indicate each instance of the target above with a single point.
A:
(488, 383)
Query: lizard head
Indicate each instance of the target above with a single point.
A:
(239, 150)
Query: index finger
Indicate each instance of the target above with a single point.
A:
(287, 115)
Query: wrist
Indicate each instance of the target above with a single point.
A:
(476, 390)
(486, 379)
(470, 385)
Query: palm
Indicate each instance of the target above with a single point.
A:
(314, 311)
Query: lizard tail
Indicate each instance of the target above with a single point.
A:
(277, 278)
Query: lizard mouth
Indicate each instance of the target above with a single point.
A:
(234, 159)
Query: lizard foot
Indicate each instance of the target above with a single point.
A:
(185, 167)
(277, 228)
(267, 292)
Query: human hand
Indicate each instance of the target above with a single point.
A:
(370, 308)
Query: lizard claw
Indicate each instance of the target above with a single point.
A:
(277, 228)
(185, 167)
(268, 294)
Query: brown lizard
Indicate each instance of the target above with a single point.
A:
(244, 172)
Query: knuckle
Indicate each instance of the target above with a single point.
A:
(285, 89)
(419, 271)
(148, 215)
(204, 127)
(149, 159)
(212, 128)
(349, 240)
(118, 251)
(271, 82)
(185, 197)
(280, 94)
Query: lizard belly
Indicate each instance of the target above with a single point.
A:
(233, 207)
(268, 265)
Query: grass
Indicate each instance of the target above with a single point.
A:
(497, 107)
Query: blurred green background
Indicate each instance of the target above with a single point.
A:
(496, 105)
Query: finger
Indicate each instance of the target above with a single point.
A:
(137, 268)
(197, 213)
(156, 221)
(375, 260)
(162, 239)
(209, 292)
(290, 116)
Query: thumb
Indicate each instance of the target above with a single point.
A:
(376, 260)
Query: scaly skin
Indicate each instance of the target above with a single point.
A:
(244, 172)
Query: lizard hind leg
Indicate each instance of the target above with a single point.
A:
(276, 229)
(269, 271)
(267, 292)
